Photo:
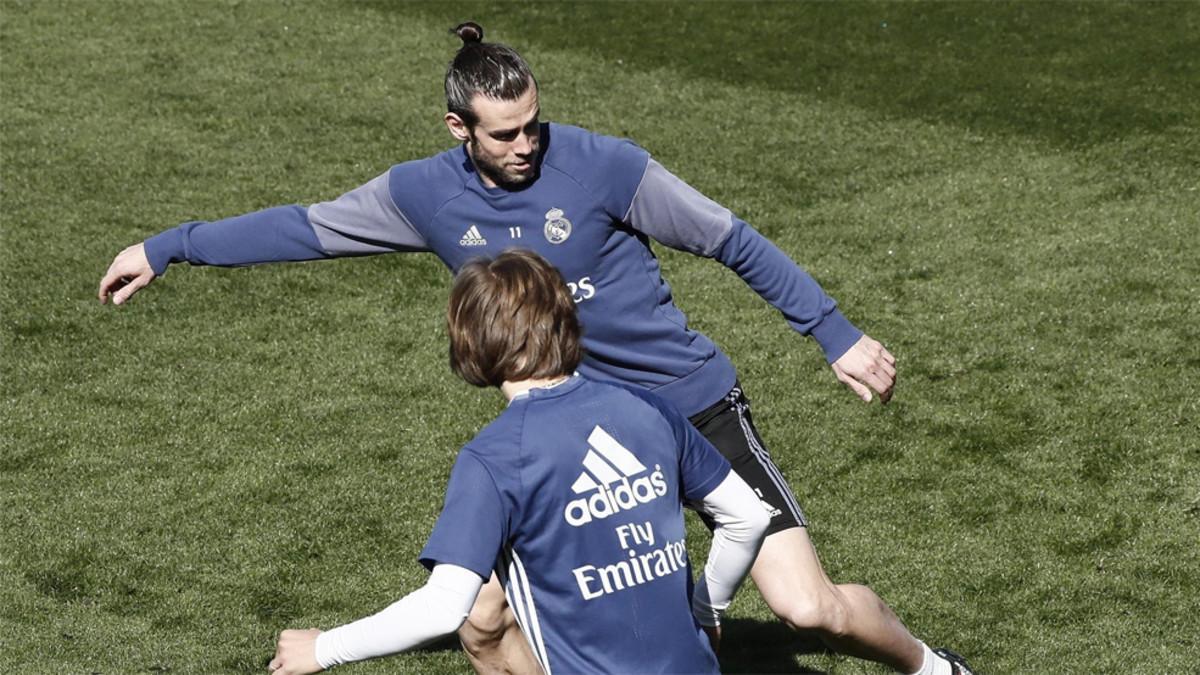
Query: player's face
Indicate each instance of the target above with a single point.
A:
(504, 143)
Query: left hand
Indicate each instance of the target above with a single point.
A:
(129, 273)
(296, 653)
(866, 366)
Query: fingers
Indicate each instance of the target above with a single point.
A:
(857, 387)
(868, 367)
(129, 272)
(885, 394)
(886, 373)
(880, 376)
(121, 287)
(886, 363)
(295, 653)
(887, 356)
(876, 353)
(131, 286)
(281, 664)
(275, 666)
(110, 282)
(882, 385)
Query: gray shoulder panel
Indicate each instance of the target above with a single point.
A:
(364, 220)
(674, 213)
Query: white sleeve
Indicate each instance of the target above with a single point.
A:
(436, 609)
(741, 524)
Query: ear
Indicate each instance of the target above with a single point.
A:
(458, 128)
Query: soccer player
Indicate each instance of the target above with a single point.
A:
(590, 204)
(574, 495)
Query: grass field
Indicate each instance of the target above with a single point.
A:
(1006, 194)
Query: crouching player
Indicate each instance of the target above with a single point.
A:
(573, 496)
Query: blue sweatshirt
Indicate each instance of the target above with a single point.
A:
(574, 495)
(591, 211)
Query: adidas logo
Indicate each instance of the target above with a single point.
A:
(608, 474)
(472, 238)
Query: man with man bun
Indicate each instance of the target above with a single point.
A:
(590, 204)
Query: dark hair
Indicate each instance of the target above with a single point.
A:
(512, 319)
(490, 69)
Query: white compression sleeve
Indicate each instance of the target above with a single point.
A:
(741, 524)
(436, 609)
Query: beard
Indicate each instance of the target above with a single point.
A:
(499, 173)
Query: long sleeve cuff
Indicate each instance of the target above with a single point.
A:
(164, 248)
(835, 334)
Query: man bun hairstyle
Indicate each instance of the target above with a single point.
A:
(489, 69)
(468, 31)
(512, 319)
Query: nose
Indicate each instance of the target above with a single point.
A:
(523, 145)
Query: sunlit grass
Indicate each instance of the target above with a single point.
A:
(1005, 194)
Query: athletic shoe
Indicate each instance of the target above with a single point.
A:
(958, 665)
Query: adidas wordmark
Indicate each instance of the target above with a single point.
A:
(609, 470)
(472, 238)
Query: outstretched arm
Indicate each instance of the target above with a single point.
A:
(438, 608)
(858, 361)
(276, 234)
(442, 604)
(363, 221)
(677, 215)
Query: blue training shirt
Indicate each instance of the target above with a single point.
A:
(591, 211)
(574, 495)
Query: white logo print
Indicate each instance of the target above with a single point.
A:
(558, 228)
(472, 238)
(771, 510)
(581, 290)
(609, 470)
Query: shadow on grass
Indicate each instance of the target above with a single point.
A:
(449, 643)
(748, 646)
(752, 646)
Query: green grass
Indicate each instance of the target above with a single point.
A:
(1006, 194)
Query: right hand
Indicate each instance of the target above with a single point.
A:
(296, 653)
(865, 366)
(129, 272)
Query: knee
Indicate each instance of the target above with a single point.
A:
(486, 625)
(824, 611)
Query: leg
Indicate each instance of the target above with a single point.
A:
(850, 619)
(491, 637)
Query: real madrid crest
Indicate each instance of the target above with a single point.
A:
(558, 228)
